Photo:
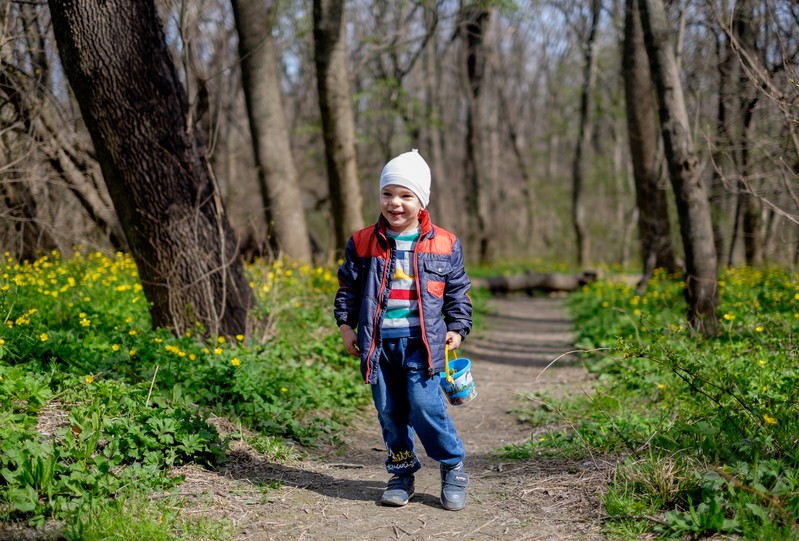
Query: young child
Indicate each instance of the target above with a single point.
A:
(402, 298)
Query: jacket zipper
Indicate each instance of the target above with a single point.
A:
(421, 310)
(375, 328)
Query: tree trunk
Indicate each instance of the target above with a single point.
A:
(134, 106)
(338, 120)
(751, 207)
(654, 229)
(442, 207)
(277, 175)
(584, 139)
(29, 239)
(526, 183)
(719, 195)
(701, 282)
(473, 24)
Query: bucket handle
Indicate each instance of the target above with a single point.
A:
(446, 362)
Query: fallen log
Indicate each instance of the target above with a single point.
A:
(531, 282)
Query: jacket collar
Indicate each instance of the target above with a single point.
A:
(425, 224)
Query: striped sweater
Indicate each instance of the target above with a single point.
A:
(402, 310)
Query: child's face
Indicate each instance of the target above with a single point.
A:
(400, 207)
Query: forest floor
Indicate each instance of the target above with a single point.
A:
(331, 492)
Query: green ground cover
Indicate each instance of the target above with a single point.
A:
(96, 408)
(707, 428)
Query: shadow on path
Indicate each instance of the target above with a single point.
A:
(525, 332)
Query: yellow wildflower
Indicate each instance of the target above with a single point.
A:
(769, 420)
(218, 351)
(221, 339)
(240, 337)
(115, 347)
(89, 379)
(283, 390)
(132, 352)
(43, 337)
(235, 361)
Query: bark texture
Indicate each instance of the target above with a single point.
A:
(653, 218)
(584, 139)
(134, 106)
(749, 209)
(277, 175)
(473, 24)
(701, 281)
(338, 120)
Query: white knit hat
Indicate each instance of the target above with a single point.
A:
(408, 170)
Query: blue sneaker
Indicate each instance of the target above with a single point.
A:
(454, 481)
(398, 491)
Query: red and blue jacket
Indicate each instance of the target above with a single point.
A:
(441, 282)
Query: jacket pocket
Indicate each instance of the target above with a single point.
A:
(437, 270)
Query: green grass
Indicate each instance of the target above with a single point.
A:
(705, 428)
(137, 517)
(96, 407)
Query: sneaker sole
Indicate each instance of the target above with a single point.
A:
(452, 508)
(395, 503)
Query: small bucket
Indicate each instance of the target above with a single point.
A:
(457, 382)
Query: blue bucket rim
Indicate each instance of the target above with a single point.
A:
(461, 365)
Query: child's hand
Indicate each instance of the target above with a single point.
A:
(453, 340)
(350, 340)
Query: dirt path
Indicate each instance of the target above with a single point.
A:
(332, 496)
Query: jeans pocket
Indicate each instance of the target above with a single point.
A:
(415, 355)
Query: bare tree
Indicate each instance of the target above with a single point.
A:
(115, 57)
(338, 121)
(37, 135)
(277, 175)
(444, 208)
(748, 208)
(474, 20)
(584, 137)
(701, 281)
(653, 217)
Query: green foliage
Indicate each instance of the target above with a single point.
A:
(95, 404)
(108, 439)
(708, 425)
(136, 517)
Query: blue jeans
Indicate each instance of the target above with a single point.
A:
(407, 400)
